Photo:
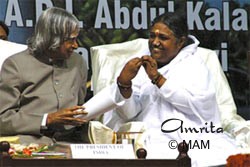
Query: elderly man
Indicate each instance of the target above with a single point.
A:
(42, 88)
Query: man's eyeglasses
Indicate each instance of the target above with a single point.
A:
(70, 39)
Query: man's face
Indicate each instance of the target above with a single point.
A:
(3, 34)
(68, 46)
(163, 45)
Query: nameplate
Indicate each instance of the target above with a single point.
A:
(102, 151)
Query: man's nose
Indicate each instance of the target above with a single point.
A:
(75, 44)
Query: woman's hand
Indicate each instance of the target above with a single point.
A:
(67, 116)
(150, 66)
(129, 71)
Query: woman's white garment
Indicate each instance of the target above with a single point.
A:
(188, 97)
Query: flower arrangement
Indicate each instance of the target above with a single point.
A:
(19, 150)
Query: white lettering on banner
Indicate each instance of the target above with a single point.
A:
(226, 15)
(142, 12)
(214, 22)
(240, 23)
(48, 3)
(39, 6)
(69, 6)
(13, 13)
(161, 10)
(194, 15)
(171, 6)
(119, 12)
(103, 7)
(139, 15)
(153, 12)
(224, 56)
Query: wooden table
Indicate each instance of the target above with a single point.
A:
(182, 160)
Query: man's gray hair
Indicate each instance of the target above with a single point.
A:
(52, 28)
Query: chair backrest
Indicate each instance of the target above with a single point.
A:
(8, 48)
(108, 60)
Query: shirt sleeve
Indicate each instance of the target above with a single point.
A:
(43, 124)
(84, 75)
(129, 108)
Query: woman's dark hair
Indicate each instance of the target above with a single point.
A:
(175, 21)
(5, 27)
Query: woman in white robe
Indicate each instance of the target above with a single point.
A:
(172, 92)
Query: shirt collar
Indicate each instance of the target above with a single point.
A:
(47, 60)
(184, 52)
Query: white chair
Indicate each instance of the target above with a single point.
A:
(8, 48)
(108, 60)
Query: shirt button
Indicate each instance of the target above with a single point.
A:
(60, 95)
(56, 82)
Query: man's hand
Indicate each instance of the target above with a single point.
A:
(66, 116)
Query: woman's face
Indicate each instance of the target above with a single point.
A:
(3, 34)
(163, 45)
